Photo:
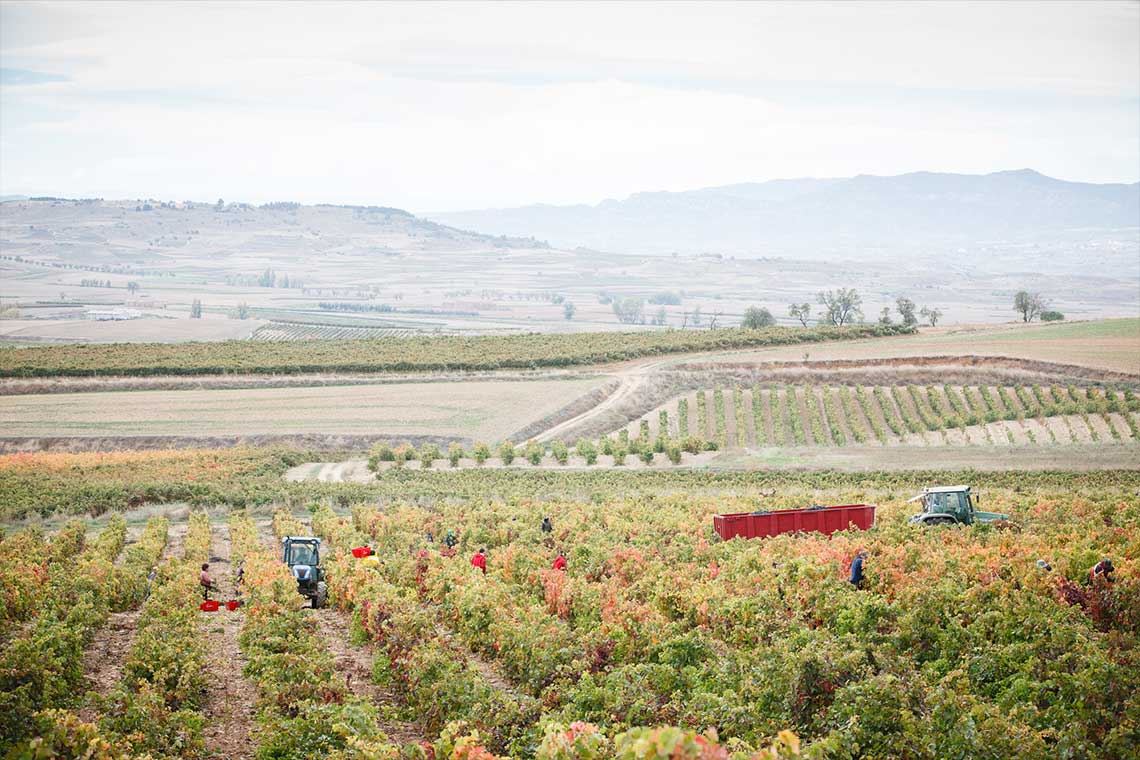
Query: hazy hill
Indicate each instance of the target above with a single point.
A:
(820, 218)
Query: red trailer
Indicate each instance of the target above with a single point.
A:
(822, 519)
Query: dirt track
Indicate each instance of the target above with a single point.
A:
(230, 697)
(105, 657)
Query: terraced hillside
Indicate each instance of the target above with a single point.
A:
(774, 414)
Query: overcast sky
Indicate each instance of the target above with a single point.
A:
(454, 106)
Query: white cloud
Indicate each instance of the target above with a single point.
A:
(446, 106)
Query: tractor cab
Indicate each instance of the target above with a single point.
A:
(947, 505)
(302, 554)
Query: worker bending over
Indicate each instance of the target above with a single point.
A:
(1104, 570)
(560, 562)
(480, 560)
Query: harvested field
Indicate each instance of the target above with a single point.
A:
(462, 411)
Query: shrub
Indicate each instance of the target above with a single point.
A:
(587, 450)
(455, 452)
(381, 452)
(481, 452)
(1051, 316)
(429, 452)
(534, 452)
(560, 451)
(507, 452)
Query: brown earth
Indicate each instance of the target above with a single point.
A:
(230, 698)
(355, 663)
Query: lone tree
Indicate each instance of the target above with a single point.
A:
(841, 307)
(756, 317)
(800, 311)
(885, 316)
(1029, 305)
(906, 310)
(132, 287)
(196, 309)
(931, 315)
(568, 310)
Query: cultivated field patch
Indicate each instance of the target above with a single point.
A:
(459, 410)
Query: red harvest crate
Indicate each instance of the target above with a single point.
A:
(361, 552)
(210, 605)
(824, 520)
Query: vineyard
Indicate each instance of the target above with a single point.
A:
(657, 640)
(282, 331)
(914, 415)
(428, 353)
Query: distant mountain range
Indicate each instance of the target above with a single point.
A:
(824, 218)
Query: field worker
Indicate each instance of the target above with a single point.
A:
(150, 579)
(205, 581)
(240, 573)
(480, 560)
(560, 562)
(547, 526)
(1044, 566)
(450, 540)
(430, 537)
(857, 569)
(1103, 569)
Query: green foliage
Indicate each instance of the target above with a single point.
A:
(560, 451)
(534, 452)
(506, 452)
(455, 452)
(481, 452)
(587, 450)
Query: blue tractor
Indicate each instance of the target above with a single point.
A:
(303, 556)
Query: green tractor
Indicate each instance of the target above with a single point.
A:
(951, 505)
(303, 556)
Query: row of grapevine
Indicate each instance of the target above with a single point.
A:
(419, 353)
(926, 415)
(655, 623)
(29, 557)
(438, 684)
(285, 331)
(41, 666)
(305, 708)
(156, 709)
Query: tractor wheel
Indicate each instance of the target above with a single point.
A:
(321, 597)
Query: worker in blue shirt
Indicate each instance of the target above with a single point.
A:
(857, 569)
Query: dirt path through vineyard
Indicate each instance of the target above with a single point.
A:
(355, 663)
(105, 656)
(230, 697)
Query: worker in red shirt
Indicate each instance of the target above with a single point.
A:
(480, 560)
(206, 582)
(560, 562)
